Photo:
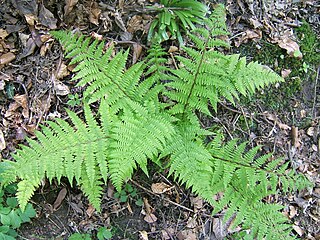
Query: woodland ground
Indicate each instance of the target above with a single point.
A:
(35, 86)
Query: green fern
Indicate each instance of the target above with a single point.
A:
(150, 114)
(207, 75)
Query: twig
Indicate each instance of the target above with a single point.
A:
(315, 93)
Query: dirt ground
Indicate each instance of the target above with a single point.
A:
(35, 87)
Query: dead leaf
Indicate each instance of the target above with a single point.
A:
(119, 21)
(255, 34)
(29, 48)
(61, 89)
(61, 196)
(94, 13)
(197, 203)
(167, 233)
(187, 235)
(298, 230)
(135, 24)
(2, 141)
(129, 208)
(110, 190)
(3, 33)
(69, 6)
(160, 188)
(150, 218)
(137, 49)
(90, 210)
(31, 19)
(285, 73)
(143, 235)
(310, 131)
(292, 212)
(20, 134)
(256, 23)
(291, 46)
(46, 18)
(6, 58)
(173, 49)
(283, 126)
(62, 71)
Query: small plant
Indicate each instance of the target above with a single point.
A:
(103, 233)
(80, 236)
(74, 100)
(128, 192)
(11, 216)
(174, 15)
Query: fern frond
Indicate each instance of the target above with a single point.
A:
(137, 136)
(243, 179)
(207, 75)
(103, 75)
(77, 151)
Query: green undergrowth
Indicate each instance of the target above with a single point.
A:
(303, 71)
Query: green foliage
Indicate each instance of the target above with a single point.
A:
(151, 115)
(74, 100)
(129, 192)
(309, 44)
(11, 216)
(174, 15)
(79, 236)
(102, 234)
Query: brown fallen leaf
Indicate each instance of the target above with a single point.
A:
(3, 33)
(62, 71)
(291, 46)
(61, 196)
(69, 6)
(160, 188)
(94, 13)
(2, 141)
(137, 49)
(188, 234)
(150, 218)
(46, 18)
(197, 203)
(61, 89)
(90, 210)
(173, 49)
(311, 131)
(285, 73)
(135, 23)
(7, 58)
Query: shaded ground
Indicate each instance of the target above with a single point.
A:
(34, 87)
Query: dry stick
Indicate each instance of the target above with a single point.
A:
(315, 93)
(166, 199)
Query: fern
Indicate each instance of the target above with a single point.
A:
(208, 75)
(151, 114)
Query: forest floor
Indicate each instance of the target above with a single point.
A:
(35, 86)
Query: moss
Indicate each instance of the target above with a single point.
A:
(309, 44)
(277, 58)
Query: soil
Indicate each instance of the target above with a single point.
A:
(285, 120)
